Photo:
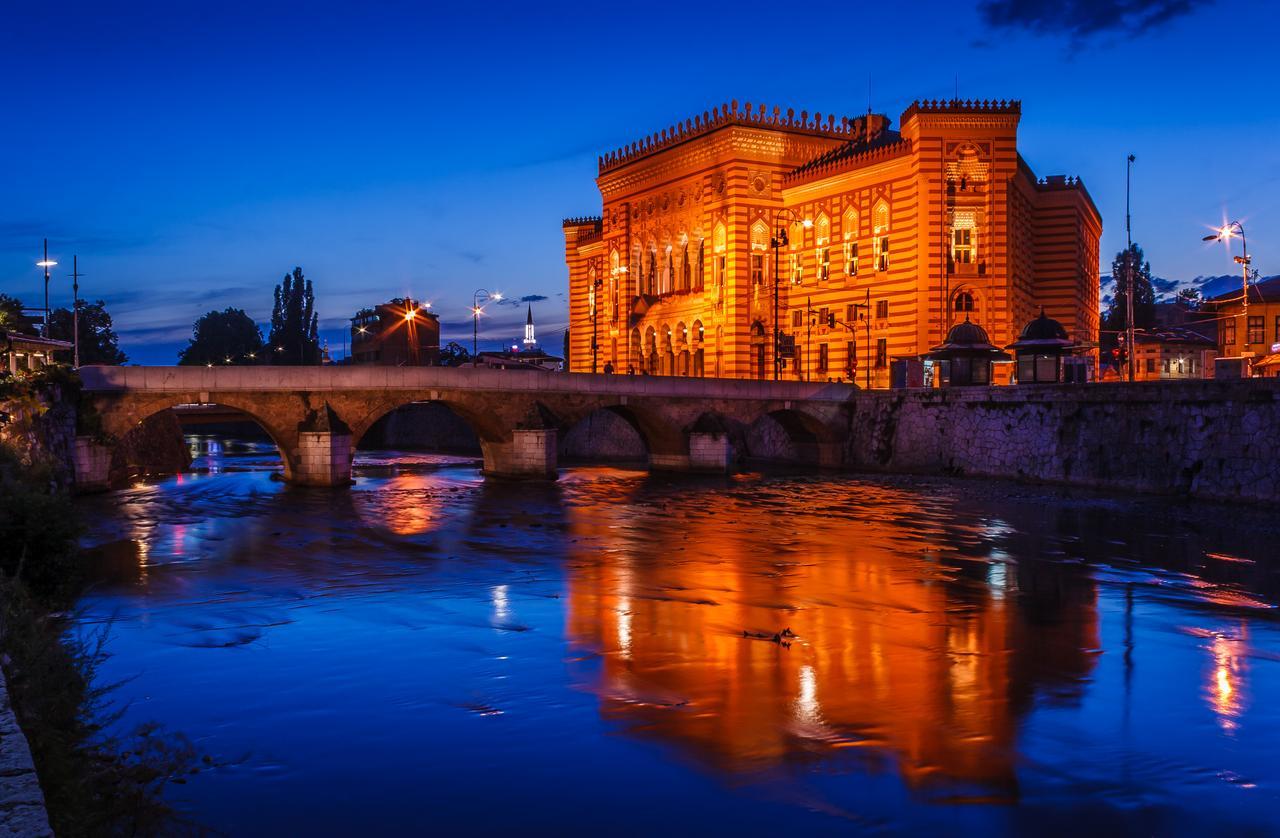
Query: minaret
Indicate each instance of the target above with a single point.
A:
(529, 339)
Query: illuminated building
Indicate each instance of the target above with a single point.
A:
(1172, 353)
(530, 340)
(881, 240)
(1254, 336)
(396, 334)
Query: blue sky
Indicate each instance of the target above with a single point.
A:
(191, 154)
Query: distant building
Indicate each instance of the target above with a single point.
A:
(530, 340)
(1253, 337)
(398, 333)
(1172, 353)
(528, 358)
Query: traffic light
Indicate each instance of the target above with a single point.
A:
(831, 320)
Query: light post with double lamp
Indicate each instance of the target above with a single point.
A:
(779, 241)
(46, 263)
(1226, 234)
(476, 310)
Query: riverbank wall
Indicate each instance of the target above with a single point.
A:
(1216, 440)
(22, 810)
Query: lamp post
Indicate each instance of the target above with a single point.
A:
(75, 310)
(596, 285)
(46, 263)
(480, 294)
(1226, 234)
(1128, 271)
(778, 241)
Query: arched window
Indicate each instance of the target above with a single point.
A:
(759, 246)
(880, 231)
(686, 270)
(699, 272)
(651, 273)
(668, 272)
(719, 252)
(849, 232)
(822, 238)
(963, 302)
(591, 291)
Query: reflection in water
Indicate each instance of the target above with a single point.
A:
(896, 649)
(778, 652)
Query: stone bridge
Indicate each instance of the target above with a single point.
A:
(317, 415)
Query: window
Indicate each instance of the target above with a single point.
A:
(1277, 339)
(849, 229)
(1151, 364)
(822, 357)
(685, 268)
(824, 264)
(851, 258)
(722, 267)
(881, 240)
(964, 238)
(823, 314)
(699, 276)
(1228, 332)
(669, 273)
(757, 268)
(797, 269)
(882, 309)
(797, 319)
(720, 252)
(962, 246)
(882, 353)
(964, 302)
(851, 313)
(1257, 330)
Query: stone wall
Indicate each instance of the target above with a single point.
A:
(422, 426)
(1205, 439)
(603, 436)
(38, 425)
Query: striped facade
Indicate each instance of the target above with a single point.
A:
(885, 238)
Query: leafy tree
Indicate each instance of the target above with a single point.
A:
(222, 335)
(11, 317)
(566, 350)
(1144, 295)
(294, 338)
(454, 354)
(99, 343)
(1191, 298)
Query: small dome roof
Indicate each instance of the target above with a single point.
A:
(967, 334)
(1043, 328)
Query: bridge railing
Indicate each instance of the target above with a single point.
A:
(320, 379)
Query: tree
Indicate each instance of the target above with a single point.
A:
(566, 350)
(98, 341)
(1190, 298)
(294, 338)
(1144, 295)
(453, 354)
(221, 337)
(11, 317)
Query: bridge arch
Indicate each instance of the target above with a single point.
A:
(789, 435)
(125, 427)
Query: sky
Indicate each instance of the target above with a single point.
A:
(192, 154)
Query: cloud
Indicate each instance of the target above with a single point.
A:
(1082, 19)
(527, 298)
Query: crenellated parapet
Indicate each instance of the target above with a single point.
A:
(732, 113)
(963, 106)
(1049, 182)
(584, 221)
(846, 157)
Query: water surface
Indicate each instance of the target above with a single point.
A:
(632, 654)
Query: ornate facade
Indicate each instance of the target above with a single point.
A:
(868, 242)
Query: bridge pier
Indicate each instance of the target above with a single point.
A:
(324, 459)
(710, 452)
(531, 453)
(92, 465)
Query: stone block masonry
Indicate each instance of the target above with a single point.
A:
(1204, 439)
(22, 809)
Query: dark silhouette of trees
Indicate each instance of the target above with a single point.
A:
(1144, 294)
(454, 354)
(224, 337)
(99, 343)
(294, 337)
(11, 317)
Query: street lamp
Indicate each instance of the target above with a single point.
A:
(596, 285)
(75, 309)
(1225, 234)
(46, 263)
(476, 310)
(779, 240)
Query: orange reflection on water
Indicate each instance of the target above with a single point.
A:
(895, 655)
(1225, 687)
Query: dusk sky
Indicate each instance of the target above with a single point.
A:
(192, 154)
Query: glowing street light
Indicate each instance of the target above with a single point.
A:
(476, 311)
(1225, 234)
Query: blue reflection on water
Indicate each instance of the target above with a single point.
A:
(636, 654)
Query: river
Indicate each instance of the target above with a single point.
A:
(626, 653)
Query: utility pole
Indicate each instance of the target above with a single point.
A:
(75, 309)
(1128, 269)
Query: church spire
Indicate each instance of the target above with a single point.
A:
(529, 339)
